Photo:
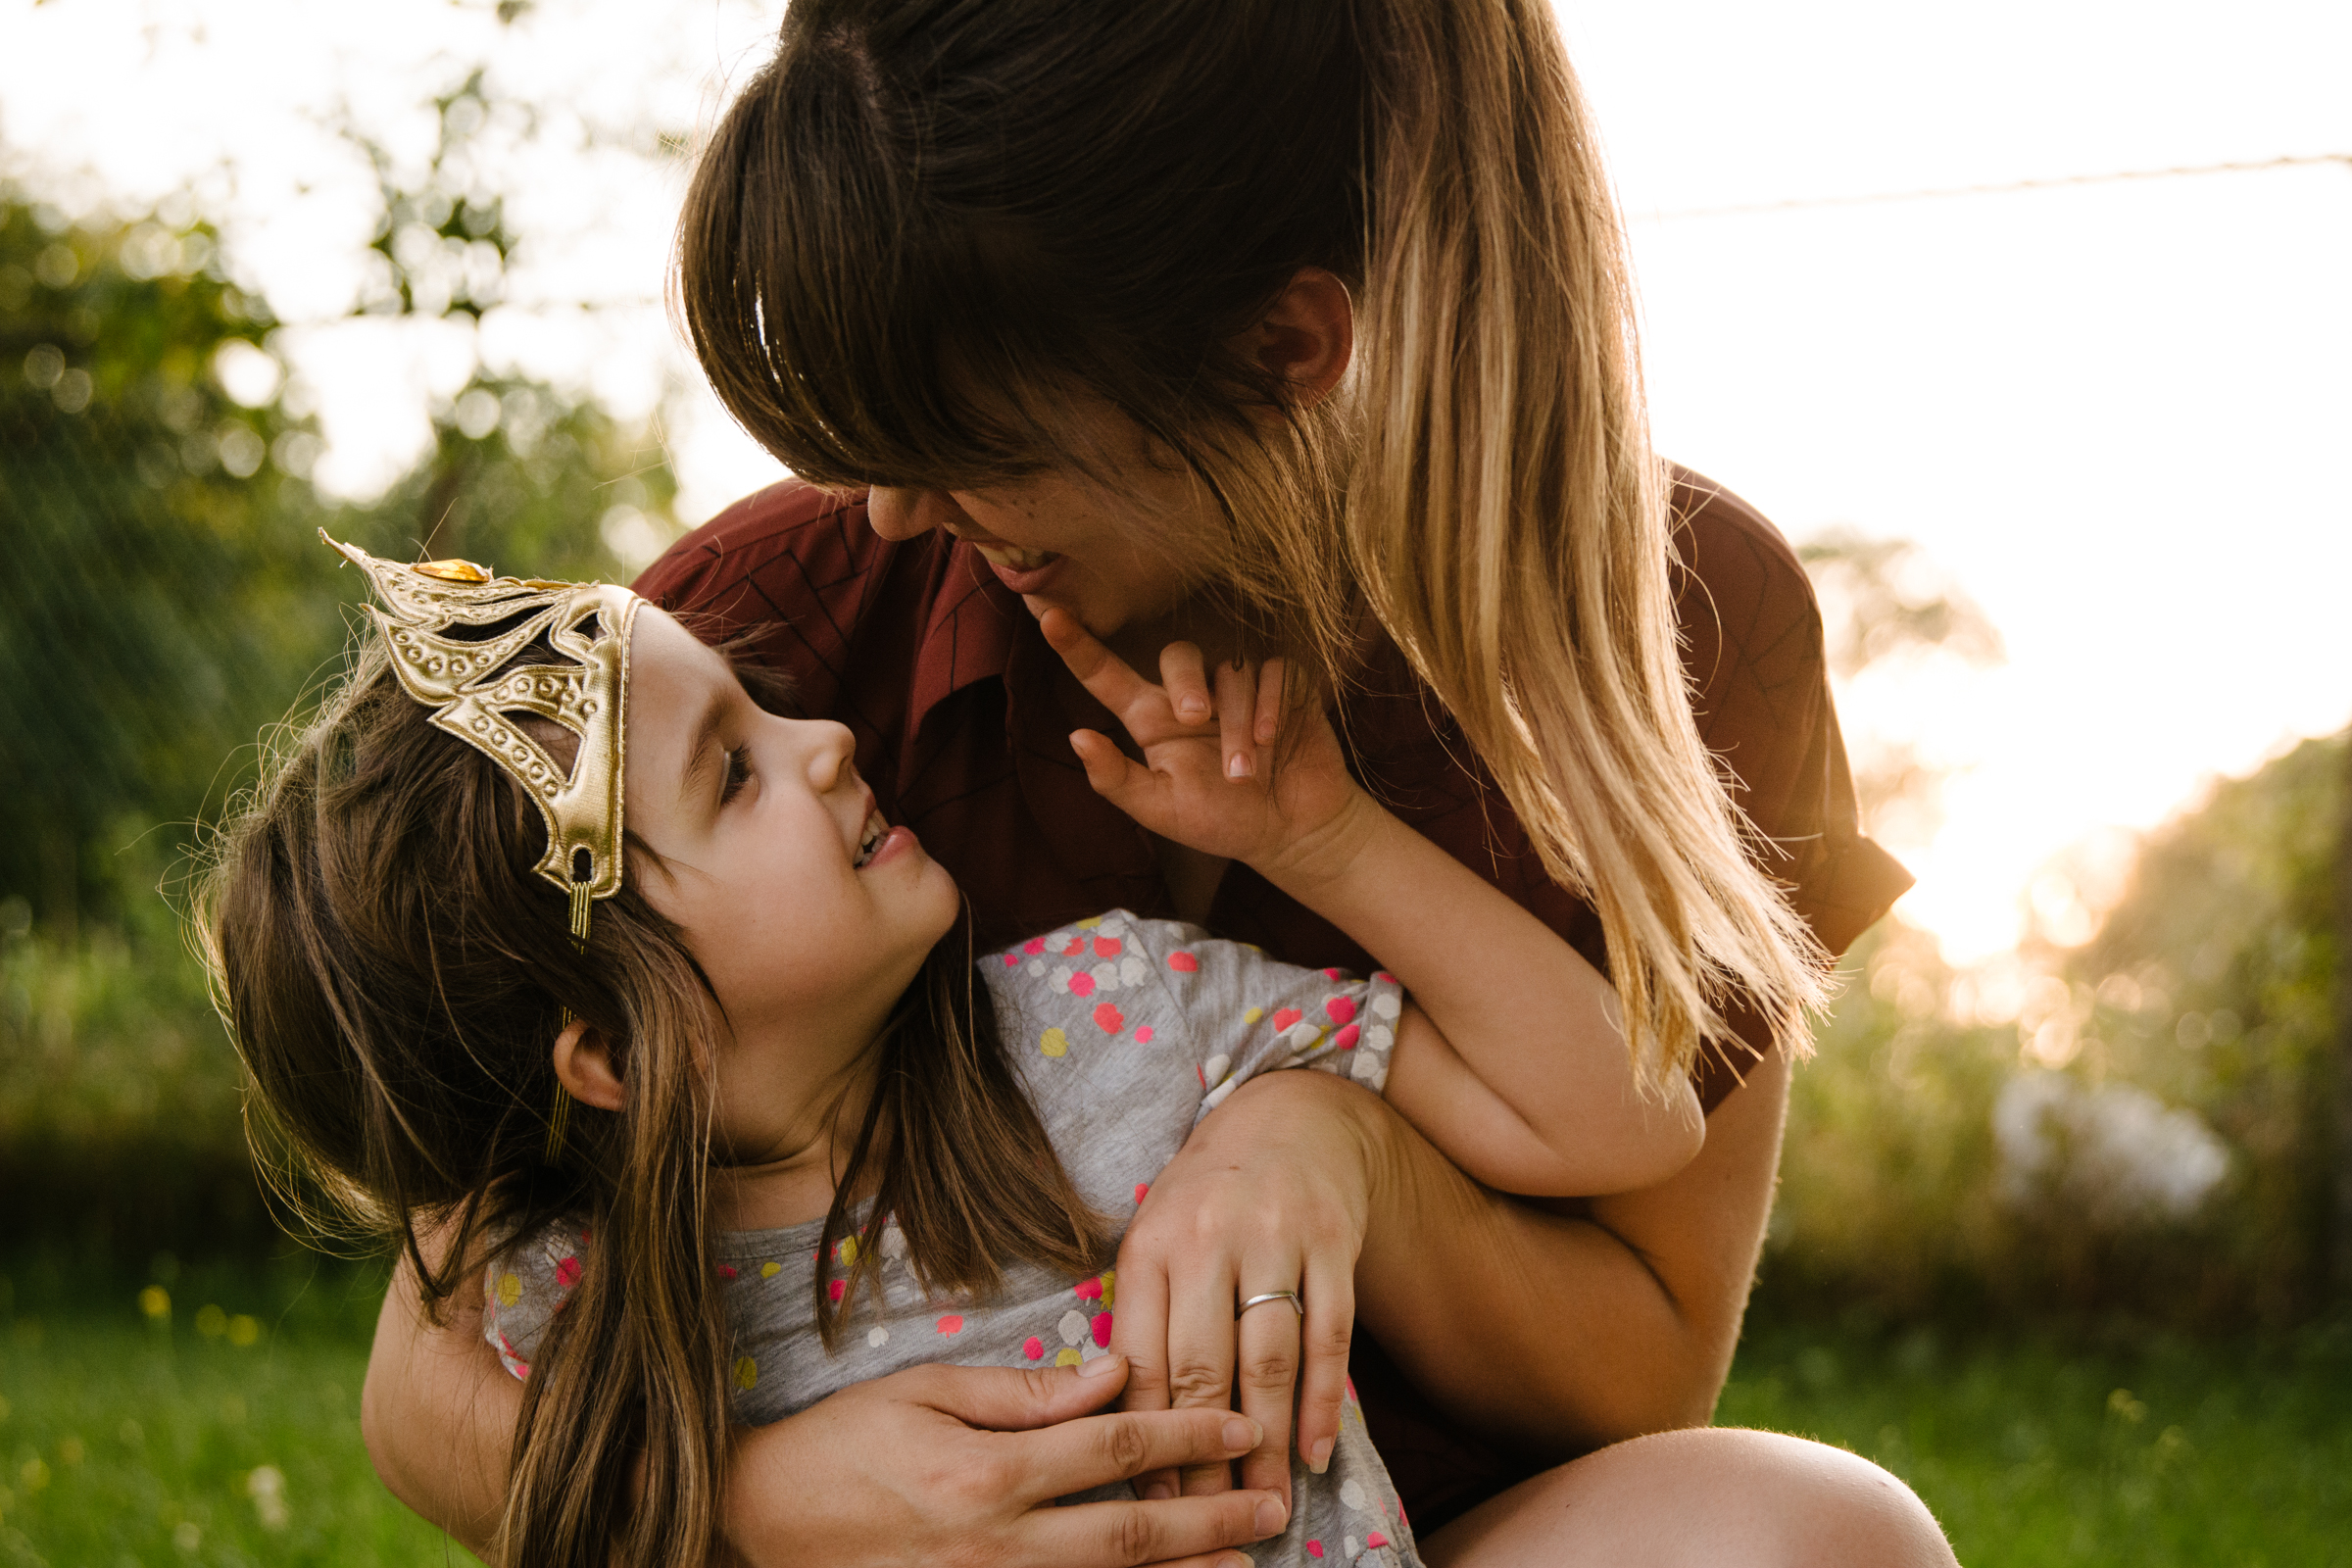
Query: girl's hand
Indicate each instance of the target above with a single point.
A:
(1270, 1193)
(1208, 778)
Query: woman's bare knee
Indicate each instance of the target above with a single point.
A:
(1713, 1496)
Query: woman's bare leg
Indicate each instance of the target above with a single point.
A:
(1712, 1496)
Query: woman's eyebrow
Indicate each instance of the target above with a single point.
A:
(695, 781)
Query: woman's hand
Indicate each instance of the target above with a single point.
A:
(1271, 1192)
(962, 1464)
(1208, 778)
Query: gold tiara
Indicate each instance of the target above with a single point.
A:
(454, 633)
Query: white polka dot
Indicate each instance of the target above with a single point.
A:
(1380, 1037)
(1037, 967)
(1215, 1068)
(1351, 1493)
(1106, 976)
(877, 1335)
(1367, 1069)
(1303, 1036)
(1353, 1549)
(1073, 1327)
(1218, 1096)
(1385, 1006)
(1060, 979)
(1089, 1351)
(1132, 970)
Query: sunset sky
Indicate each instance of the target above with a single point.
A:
(2111, 415)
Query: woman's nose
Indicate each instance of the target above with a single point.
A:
(908, 514)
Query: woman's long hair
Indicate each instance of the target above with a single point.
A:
(929, 231)
(394, 972)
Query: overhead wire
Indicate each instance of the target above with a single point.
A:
(2009, 188)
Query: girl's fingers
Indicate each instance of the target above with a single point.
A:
(1101, 672)
(1114, 774)
(1186, 681)
(1266, 1373)
(1237, 706)
(1329, 1294)
(1270, 695)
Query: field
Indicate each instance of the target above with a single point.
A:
(215, 1422)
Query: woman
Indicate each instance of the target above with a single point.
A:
(1244, 325)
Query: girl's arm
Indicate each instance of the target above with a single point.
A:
(1509, 1058)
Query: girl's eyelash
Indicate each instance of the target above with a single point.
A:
(739, 773)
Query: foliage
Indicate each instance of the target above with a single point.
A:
(2036, 1452)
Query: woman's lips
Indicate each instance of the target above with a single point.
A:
(1024, 571)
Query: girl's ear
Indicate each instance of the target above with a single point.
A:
(584, 1066)
(1308, 335)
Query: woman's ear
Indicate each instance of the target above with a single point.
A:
(1308, 335)
(584, 1066)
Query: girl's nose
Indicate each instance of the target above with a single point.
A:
(909, 514)
(832, 749)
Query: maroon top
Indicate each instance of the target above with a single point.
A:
(962, 715)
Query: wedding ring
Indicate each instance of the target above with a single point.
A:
(1291, 1296)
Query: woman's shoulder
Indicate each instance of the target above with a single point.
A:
(811, 541)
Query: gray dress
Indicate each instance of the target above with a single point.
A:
(1124, 1032)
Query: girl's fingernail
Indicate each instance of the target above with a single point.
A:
(1101, 1366)
(1158, 1491)
(1238, 765)
(1318, 1459)
(1232, 1563)
(1271, 1517)
(1195, 710)
(1243, 1433)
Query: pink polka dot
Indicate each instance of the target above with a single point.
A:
(1103, 1328)
(1012, 961)
(1341, 1008)
(1087, 1290)
(952, 1323)
(1345, 1039)
(1383, 978)
(1351, 1382)
(568, 1273)
(1375, 1539)
(834, 1287)
(1082, 985)
(1314, 1548)
(1183, 963)
(1141, 1187)
(1108, 1016)
(1335, 974)
(1286, 1017)
(1077, 946)
(725, 1273)
(1142, 1036)
(1034, 945)
(1107, 947)
(1033, 1347)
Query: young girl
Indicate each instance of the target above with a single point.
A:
(545, 848)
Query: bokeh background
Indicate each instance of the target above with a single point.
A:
(2028, 322)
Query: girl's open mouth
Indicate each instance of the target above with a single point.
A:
(871, 838)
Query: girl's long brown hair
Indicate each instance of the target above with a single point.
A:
(394, 973)
(930, 229)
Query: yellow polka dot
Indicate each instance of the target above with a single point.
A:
(1110, 1287)
(769, 1270)
(1253, 1015)
(747, 1372)
(509, 1289)
(1090, 922)
(847, 1251)
(1067, 1355)
(1053, 1043)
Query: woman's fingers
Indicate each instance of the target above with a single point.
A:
(1190, 1530)
(1237, 709)
(1140, 1332)
(1097, 1450)
(1328, 1289)
(1186, 682)
(1266, 1372)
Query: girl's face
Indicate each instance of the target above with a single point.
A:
(809, 916)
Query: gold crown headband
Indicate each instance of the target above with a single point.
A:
(452, 631)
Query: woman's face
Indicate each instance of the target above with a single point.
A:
(807, 914)
(1098, 546)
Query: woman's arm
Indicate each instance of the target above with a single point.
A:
(930, 1465)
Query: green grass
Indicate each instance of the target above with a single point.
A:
(2041, 1453)
(133, 1439)
(223, 1432)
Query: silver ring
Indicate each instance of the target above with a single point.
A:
(1291, 1296)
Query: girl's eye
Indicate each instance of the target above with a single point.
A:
(739, 773)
